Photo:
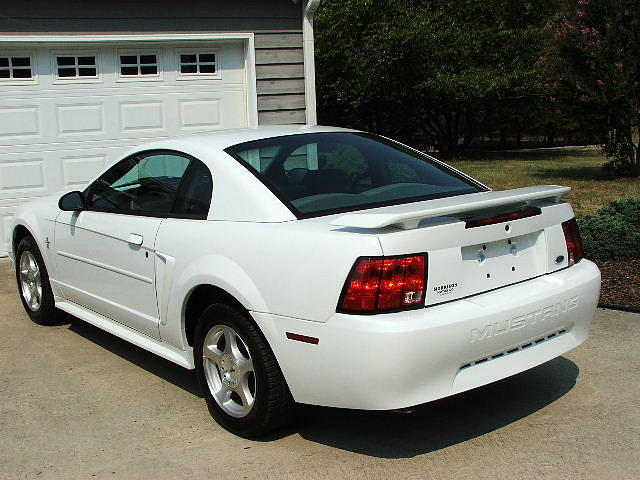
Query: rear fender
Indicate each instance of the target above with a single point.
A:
(214, 270)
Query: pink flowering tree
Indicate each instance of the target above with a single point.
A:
(594, 73)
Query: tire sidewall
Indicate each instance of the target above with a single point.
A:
(221, 314)
(46, 313)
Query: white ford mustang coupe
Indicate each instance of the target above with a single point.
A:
(310, 264)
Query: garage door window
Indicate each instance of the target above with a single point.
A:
(136, 65)
(76, 66)
(198, 63)
(15, 68)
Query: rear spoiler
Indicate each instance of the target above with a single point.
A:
(409, 215)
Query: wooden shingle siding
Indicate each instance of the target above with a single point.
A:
(269, 72)
(279, 40)
(274, 56)
(274, 117)
(280, 77)
(280, 102)
(281, 86)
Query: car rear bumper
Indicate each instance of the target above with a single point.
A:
(403, 359)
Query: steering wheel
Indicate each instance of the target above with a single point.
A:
(106, 198)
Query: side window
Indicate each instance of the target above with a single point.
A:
(144, 184)
(194, 196)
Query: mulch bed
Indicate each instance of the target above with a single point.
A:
(620, 282)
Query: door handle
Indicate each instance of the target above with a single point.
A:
(135, 239)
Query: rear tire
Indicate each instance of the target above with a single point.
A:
(33, 284)
(242, 383)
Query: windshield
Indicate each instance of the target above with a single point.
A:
(320, 173)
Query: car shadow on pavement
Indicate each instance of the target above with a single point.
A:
(390, 434)
(169, 371)
(442, 423)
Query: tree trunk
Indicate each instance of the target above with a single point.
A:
(503, 138)
(635, 152)
(550, 139)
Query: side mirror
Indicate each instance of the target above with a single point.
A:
(72, 202)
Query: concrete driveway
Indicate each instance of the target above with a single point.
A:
(79, 403)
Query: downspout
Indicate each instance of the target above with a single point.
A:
(310, 8)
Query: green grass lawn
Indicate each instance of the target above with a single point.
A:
(591, 186)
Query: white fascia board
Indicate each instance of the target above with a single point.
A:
(151, 37)
(252, 81)
(309, 61)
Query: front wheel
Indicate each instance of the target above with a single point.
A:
(244, 388)
(33, 284)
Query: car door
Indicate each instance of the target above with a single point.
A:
(105, 253)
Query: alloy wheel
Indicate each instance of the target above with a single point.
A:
(30, 281)
(229, 370)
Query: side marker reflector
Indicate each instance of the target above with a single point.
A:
(302, 338)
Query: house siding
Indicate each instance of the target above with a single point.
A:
(276, 24)
(280, 77)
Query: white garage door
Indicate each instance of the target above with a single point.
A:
(68, 110)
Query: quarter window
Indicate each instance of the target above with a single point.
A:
(74, 66)
(132, 65)
(18, 67)
(198, 63)
(194, 196)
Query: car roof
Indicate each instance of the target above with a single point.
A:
(241, 196)
(219, 140)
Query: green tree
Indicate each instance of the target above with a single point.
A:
(594, 72)
(431, 73)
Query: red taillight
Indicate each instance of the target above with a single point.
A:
(384, 284)
(574, 242)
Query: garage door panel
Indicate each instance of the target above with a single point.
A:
(78, 170)
(81, 119)
(210, 112)
(230, 60)
(111, 117)
(81, 165)
(146, 115)
(5, 226)
(19, 122)
(20, 177)
(199, 114)
(26, 176)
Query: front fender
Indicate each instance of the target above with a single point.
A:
(38, 218)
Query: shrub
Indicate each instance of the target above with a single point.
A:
(614, 232)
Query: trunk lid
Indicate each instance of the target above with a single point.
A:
(466, 257)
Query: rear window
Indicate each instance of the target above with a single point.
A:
(321, 173)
